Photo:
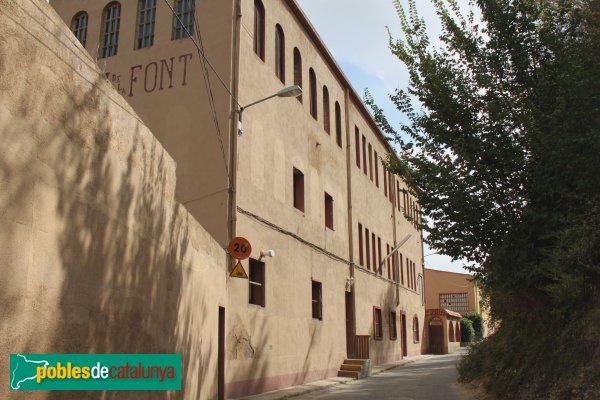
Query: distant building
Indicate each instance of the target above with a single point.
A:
(305, 179)
(448, 297)
(451, 291)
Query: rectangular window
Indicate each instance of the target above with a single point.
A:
(364, 151)
(414, 272)
(390, 187)
(393, 329)
(145, 25)
(374, 242)
(367, 253)
(183, 25)
(357, 140)
(407, 272)
(385, 189)
(328, 211)
(257, 282)
(370, 162)
(401, 270)
(298, 190)
(376, 170)
(317, 301)
(410, 277)
(112, 22)
(398, 195)
(394, 278)
(388, 262)
(379, 266)
(377, 324)
(361, 260)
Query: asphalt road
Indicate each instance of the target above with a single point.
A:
(428, 379)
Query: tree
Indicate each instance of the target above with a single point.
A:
(477, 323)
(501, 145)
(467, 332)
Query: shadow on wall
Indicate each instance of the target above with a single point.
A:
(98, 255)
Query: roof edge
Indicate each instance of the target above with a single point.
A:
(320, 44)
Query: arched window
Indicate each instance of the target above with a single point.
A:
(415, 329)
(110, 33)
(183, 21)
(79, 25)
(326, 119)
(313, 92)
(279, 53)
(145, 23)
(450, 331)
(457, 333)
(338, 124)
(259, 29)
(298, 70)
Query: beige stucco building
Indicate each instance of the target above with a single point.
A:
(305, 179)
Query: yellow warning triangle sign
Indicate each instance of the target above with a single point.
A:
(238, 271)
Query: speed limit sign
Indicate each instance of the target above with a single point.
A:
(239, 248)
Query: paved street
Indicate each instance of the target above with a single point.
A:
(428, 379)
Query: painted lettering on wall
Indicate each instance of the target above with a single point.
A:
(153, 76)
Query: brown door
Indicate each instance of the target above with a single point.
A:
(436, 338)
(404, 338)
(350, 326)
(221, 354)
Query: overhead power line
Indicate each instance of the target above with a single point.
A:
(205, 65)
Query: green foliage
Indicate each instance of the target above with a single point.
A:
(467, 333)
(501, 143)
(478, 324)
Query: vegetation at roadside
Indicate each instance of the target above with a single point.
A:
(467, 333)
(477, 323)
(502, 147)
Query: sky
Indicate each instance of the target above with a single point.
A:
(355, 33)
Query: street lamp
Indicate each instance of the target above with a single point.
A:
(290, 91)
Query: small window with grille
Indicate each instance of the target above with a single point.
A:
(256, 282)
(183, 24)
(79, 26)
(146, 23)
(454, 301)
(377, 323)
(110, 34)
(317, 300)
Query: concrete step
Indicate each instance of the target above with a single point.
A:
(351, 367)
(349, 374)
(357, 361)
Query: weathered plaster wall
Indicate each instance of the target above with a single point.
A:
(165, 84)
(96, 254)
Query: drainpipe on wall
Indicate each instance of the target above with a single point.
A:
(233, 156)
(350, 220)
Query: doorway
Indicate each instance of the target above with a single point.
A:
(221, 355)
(436, 336)
(404, 338)
(350, 326)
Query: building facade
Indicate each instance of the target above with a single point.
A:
(305, 179)
(452, 291)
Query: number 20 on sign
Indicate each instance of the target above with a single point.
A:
(240, 248)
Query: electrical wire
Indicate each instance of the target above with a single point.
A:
(205, 63)
(203, 56)
(293, 235)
